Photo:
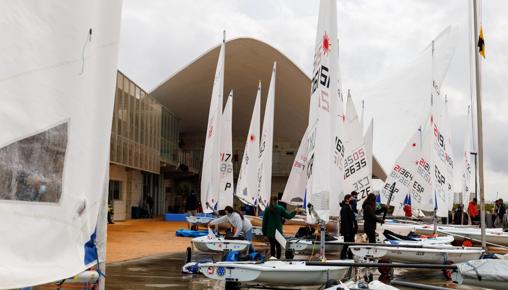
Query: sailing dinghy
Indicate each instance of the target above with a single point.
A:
(214, 243)
(273, 272)
(494, 236)
(428, 254)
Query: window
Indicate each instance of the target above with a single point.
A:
(115, 190)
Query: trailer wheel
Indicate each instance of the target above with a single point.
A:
(447, 273)
(233, 285)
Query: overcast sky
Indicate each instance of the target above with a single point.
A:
(159, 37)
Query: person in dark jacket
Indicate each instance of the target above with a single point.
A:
(348, 225)
(272, 221)
(354, 202)
(499, 212)
(370, 218)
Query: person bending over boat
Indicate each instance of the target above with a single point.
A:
(238, 221)
(370, 218)
(272, 221)
(348, 225)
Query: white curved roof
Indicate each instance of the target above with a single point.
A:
(187, 92)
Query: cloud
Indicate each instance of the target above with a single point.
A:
(377, 38)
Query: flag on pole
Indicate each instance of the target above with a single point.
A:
(481, 43)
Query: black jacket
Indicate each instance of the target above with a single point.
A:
(348, 224)
(370, 218)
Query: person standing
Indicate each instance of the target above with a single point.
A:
(191, 204)
(370, 218)
(472, 210)
(272, 221)
(499, 213)
(354, 202)
(348, 225)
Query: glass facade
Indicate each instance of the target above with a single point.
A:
(136, 131)
(169, 137)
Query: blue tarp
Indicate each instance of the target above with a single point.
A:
(191, 233)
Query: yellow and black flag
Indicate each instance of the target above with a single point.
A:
(481, 43)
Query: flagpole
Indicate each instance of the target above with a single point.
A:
(479, 126)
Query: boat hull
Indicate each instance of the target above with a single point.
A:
(272, 272)
(442, 255)
(306, 246)
(207, 244)
(495, 236)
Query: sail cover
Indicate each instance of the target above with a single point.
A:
(246, 187)
(211, 154)
(226, 156)
(266, 147)
(57, 87)
(326, 148)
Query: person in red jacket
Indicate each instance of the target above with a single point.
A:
(472, 210)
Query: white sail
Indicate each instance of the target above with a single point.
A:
(325, 162)
(266, 146)
(357, 176)
(294, 192)
(57, 87)
(211, 155)
(369, 144)
(246, 186)
(411, 174)
(441, 159)
(226, 156)
(466, 175)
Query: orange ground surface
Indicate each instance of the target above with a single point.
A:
(133, 239)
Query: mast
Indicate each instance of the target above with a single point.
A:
(479, 125)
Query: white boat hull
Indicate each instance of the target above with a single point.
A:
(199, 220)
(495, 236)
(439, 255)
(272, 272)
(425, 242)
(306, 246)
(488, 273)
(218, 244)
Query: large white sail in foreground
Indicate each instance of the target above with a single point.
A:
(57, 87)
(226, 156)
(326, 149)
(294, 192)
(211, 156)
(246, 187)
(266, 147)
(357, 170)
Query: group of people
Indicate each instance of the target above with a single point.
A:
(348, 219)
(473, 213)
(275, 214)
(273, 217)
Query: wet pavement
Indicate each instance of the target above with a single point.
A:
(164, 272)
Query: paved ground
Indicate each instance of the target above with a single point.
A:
(134, 239)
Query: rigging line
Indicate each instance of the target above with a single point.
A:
(88, 39)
